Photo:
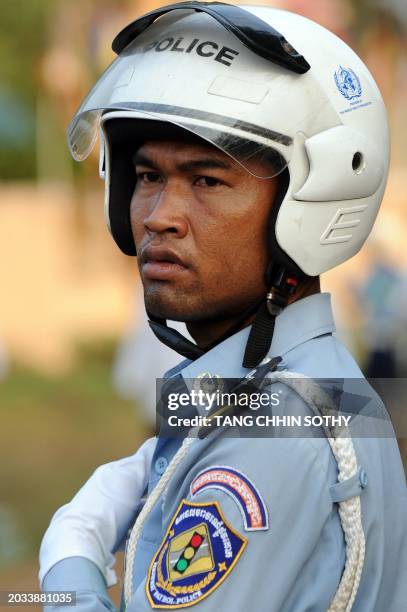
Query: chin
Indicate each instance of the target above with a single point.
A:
(165, 304)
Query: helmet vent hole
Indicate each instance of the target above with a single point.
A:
(358, 163)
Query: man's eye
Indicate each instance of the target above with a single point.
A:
(207, 181)
(148, 177)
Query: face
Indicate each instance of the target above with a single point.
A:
(199, 222)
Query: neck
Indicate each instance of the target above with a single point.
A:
(309, 287)
(206, 333)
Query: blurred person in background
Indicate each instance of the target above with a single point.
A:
(401, 318)
(140, 360)
(378, 297)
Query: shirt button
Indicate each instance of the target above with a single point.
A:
(160, 465)
(363, 479)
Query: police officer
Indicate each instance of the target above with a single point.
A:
(245, 152)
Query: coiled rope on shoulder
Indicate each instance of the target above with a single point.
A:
(148, 506)
(349, 510)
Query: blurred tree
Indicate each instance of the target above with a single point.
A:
(23, 25)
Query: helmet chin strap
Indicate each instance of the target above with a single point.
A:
(173, 339)
(261, 333)
(176, 341)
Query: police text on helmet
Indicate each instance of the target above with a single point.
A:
(207, 48)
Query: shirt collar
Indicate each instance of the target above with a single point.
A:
(308, 318)
(303, 320)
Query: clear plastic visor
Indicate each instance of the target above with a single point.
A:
(263, 152)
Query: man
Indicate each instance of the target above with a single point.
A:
(245, 152)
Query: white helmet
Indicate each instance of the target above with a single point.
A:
(254, 81)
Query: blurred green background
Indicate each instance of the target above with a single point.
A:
(68, 296)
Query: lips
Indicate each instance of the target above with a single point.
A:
(160, 263)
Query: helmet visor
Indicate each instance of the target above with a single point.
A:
(261, 157)
(186, 69)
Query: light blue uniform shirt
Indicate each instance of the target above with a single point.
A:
(295, 562)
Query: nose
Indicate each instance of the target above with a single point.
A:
(166, 213)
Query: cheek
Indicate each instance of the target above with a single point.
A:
(243, 224)
(235, 244)
(138, 212)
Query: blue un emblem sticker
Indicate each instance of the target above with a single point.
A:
(348, 83)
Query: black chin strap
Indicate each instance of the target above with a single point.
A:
(176, 341)
(173, 339)
(261, 333)
(262, 330)
(260, 337)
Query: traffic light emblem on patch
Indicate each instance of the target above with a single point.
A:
(198, 552)
(190, 553)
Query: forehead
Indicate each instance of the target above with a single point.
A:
(147, 138)
(194, 153)
(183, 147)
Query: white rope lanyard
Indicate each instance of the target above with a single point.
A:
(349, 510)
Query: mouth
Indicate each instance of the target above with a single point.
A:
(160, 263)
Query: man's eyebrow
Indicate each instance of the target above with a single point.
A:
(199, 164)
(141, 160)
(196, 164)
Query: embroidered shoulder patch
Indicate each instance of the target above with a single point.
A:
(197, 553)
(241, 489)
